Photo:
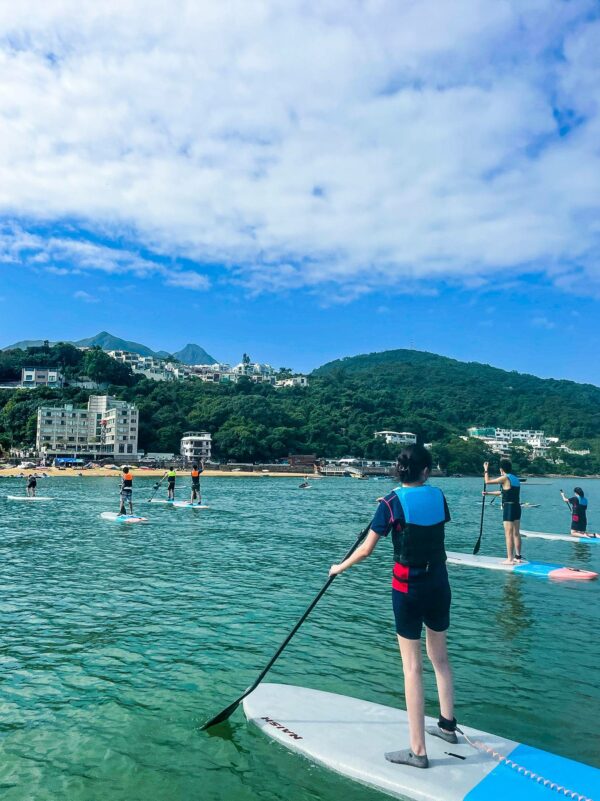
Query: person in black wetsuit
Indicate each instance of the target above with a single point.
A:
(31, 485)
(415, 514)
(578, 505)
(510, 493)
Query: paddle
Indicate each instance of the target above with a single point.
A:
(478, 543)
(156, 486)
(229, 710)
(567, 502)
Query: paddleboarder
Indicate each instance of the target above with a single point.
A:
(510, 492)
(578, 505)
(197, 469)
(415, 514)
(126, 491)
(31, 486)
(171, 476)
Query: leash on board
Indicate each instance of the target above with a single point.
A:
(503, 760)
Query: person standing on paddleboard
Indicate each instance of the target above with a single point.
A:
(126, 491)
(578, 505)
(31, 486)
(416, 514)
(510, 493)
(171, 476)
(195, 476)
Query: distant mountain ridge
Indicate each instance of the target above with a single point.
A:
(190, 354)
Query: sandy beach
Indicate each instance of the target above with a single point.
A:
(150, 473)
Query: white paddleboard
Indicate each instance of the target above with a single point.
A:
(115, 517)
(350, 736)
(180, 504)
(544, 535)
(28, 498)
(539, 569)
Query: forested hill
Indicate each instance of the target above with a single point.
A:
(458, 394)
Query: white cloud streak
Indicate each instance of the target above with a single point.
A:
(359, 144)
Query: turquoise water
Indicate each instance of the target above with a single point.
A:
(117, 642)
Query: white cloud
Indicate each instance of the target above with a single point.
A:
(188, 280)
(51, 252)
(543, 322)
(363, 143)
(85, 296)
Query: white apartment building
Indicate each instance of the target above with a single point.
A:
(397, 437)
(107, 427)
(149, 366)
(41, 377)
(259, 373)
(196, 446)
(499, 440)
(294, 381)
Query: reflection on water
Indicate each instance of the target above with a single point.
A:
(513, 616)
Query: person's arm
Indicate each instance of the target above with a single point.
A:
(564, 497)
(488, 480)
(495, 492)
(364, 550)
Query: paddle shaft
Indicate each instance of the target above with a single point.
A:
(478, 543)
(156, 486)
(228, 711)
(568, 503)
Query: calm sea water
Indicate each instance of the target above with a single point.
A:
(117, 642)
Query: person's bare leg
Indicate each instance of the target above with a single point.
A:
(509, 543)
(517, 537)
(437, 651)
(412, 665)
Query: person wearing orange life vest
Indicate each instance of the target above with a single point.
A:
(195, 475)
(126, 491)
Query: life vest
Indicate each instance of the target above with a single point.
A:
(127, 479)
(513, 494)
(579, 514)
(420, 541)
(195, 474)
(171, 475)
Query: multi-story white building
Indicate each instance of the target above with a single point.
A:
(106, 428)
(397, 437)
(499, 440)
(293, 381)
(41, 377)
(149, 366)
(196, 446)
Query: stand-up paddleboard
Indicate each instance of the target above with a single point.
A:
(539, 569)
(350, 736)
(115, 517)
(29, 498)
(544, 535)
(180, 504)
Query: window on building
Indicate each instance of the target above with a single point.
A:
(121, 448)
(130, 449)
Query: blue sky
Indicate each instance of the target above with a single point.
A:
(305, 182)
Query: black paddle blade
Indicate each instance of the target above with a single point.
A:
(223, 715)
(477, 547)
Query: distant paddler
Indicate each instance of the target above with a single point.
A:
(416, 514)
(510, 492)
(31, 485)
(578, 505)
(197, 469)
(126, 491)
(171, 476)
